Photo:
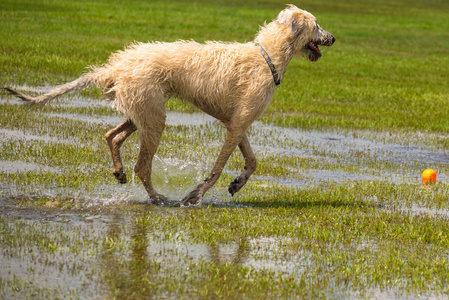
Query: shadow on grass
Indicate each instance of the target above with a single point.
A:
(309, 204)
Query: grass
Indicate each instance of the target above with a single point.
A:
(386, 71)
(335, 209)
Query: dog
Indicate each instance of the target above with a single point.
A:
(233, 82)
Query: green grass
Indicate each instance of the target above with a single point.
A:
(386, 71)
(335, 209)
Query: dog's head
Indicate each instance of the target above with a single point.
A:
(307, 35)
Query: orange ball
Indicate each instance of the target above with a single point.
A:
(429, 176)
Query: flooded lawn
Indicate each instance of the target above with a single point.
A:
(328, 214)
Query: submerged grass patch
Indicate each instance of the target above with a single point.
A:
(331, 243)
(298, 227)
(338, 213)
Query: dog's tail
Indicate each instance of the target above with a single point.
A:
(75, 85)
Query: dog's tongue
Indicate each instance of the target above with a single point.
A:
(314, 48)
(311, 58)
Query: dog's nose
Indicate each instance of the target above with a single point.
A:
(333, 39)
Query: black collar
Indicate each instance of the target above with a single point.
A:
(277, 81)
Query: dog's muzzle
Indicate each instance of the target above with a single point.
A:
(326, 39)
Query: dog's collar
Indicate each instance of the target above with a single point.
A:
(277, 81)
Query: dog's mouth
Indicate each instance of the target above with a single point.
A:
(314, 51)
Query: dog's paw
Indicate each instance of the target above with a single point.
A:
(121, 177)
(235, 185)
(158, 199)
(191, 199)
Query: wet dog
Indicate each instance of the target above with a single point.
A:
(232, 82)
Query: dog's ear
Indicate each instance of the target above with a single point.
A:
(297, 24)
(292, 18)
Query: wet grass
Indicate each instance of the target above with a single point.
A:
(298, 228)
(335, 209)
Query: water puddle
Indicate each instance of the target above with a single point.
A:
(21, 166)
(173, 119)
(97, 238)
(343, 176)
(62, 270)
(108, 120)
(349, 144)
(191, 119)
(27, 136)
(107, 240)
(419, 210)
(397, 148)
(359, 150)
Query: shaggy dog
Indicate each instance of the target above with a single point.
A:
(232, 82)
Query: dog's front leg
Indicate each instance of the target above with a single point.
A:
(233, 138)
(250, 166)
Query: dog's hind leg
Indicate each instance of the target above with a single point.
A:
(150, 132)
(115, 138)
(250, 166)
